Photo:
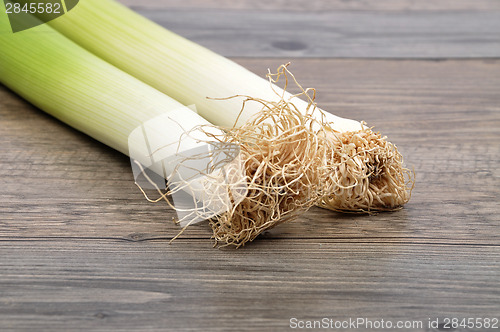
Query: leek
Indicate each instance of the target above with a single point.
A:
(89, 94)
(93, 96)
(367, 171)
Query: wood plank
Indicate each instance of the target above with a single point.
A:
(359, 34)
(57, 182)
(330, 5)
(73, 285)
(80, 248)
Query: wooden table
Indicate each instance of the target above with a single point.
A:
(80, 248)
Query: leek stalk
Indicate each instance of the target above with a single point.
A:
(89, 94)
(77, 87)
(86, 92)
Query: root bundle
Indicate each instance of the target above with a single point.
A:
(367, 174)
(284, 162)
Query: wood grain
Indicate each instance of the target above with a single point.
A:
(111, 285)
(359, 34)
(363, 29)
(320, 6)
(80, 248)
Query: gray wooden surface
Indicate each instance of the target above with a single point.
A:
(360, 34)
(321, 6)
(80, 248)
(337, 28)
